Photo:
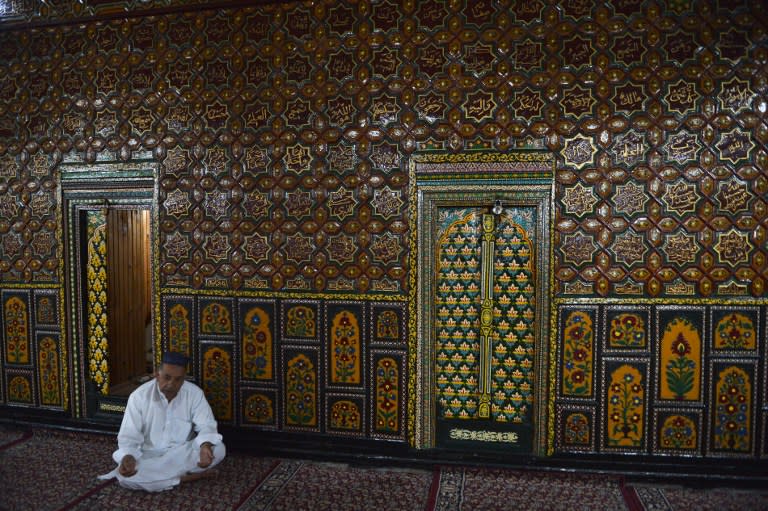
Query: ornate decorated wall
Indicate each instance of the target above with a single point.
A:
(284, 210)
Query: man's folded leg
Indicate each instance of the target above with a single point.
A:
(164, 472)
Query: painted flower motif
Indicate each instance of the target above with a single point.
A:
(681, 347)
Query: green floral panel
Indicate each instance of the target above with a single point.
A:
(513, 317)
(457, 311)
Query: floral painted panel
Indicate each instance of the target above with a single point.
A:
(345, 346)
(179, 329)
(680, 360)
(96, 292)
(16, 331)
(678, 431)
(735, 331)
(457, 315)
(732, 413)
(49, 375)
(301, 391)
(258, 357)
(627, 330)
(387, 385)
(625, 402)
(513, 336)
(259, 409)
(217, 381)
(578, 354)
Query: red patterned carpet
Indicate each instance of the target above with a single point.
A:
(642, 497)
(55, 470)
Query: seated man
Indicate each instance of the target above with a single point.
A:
(168, 434)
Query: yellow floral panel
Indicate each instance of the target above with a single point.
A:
(259, 410)
(20, 390)
(345, 415)
(678, 432)
(48, 375)
(733, 411)
(258, 359)
(680, 368)
(735, 332)
(578, 354)
(16, 331)
(345, 349)
(217, 378)
(626, 395)
(179, 329)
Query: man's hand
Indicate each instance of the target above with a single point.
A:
(127, 466)
(206, 455)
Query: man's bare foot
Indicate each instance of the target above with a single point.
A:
(194, 476)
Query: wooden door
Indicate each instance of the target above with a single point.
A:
(128, 291)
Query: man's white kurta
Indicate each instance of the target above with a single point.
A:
(165, 438)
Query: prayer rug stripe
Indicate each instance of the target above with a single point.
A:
(633, 500)
(271, 485)
(433, 489)
(449, 488)
(87, 494)
(250, 492)
(9, 438)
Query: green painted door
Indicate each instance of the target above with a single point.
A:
(484, 328)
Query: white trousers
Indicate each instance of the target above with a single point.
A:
(164, 471)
